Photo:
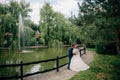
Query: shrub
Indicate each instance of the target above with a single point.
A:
(106, 48)
(90, 45)
(41, 41)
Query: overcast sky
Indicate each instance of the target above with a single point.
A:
(63, 6)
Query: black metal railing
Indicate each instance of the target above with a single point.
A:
(82, 50)
(21, 65)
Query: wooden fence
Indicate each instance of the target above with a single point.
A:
(21, 65)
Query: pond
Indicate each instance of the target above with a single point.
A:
(31, 55)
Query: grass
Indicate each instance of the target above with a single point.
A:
(103, 67)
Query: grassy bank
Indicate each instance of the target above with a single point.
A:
(104, 67)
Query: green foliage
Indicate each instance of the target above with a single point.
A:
(47, 16)
(29, 36)
(41, 41)
(33, 41)
(98, 20)
(55, 28)
(9, 13)
(106, 48)
(55, 43)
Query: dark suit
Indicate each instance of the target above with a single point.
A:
(70, 54)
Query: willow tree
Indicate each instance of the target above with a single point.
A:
(55, 28)
(8, 23)
(9, 18)
(66, 31)
(46, 22)
(2, 14)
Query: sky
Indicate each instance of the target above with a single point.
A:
(63, 6)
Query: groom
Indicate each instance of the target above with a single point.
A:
(70, 54)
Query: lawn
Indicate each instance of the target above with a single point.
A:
(103, 67)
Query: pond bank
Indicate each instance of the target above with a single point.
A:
(43, 46)
(39, 46)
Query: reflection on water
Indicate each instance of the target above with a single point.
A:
(26, 51)
(32, 55)
(9, 62)
(35, 68)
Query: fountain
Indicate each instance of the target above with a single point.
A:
(21, 35)
(20, 32)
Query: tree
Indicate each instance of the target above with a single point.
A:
(8, 21)
(106, 19)
(46, 22)
(55, 28)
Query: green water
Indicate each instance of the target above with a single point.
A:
(7, 57)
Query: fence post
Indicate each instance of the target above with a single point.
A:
(21, 70)
(84, 50)
(57, 64)
(80, 52)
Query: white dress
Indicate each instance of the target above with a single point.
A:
(77, 64)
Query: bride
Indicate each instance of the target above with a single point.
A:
(77, 63)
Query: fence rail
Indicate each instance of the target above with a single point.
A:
(21, 65)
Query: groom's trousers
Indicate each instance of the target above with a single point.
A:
(70, 57)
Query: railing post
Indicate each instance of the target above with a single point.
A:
(80, 52)
(21, 70)
(57, 64)
(84, 50)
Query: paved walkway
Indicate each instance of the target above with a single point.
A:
(64, 73)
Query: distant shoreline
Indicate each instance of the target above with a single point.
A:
(27, 47)
(42, 46)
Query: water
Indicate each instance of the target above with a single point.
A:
(35, 68)
(31, 55)
(26, 51)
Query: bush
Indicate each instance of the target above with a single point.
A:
(41, 41)
(32, 41)
(55, 43)
(106, 48)
(90, 45)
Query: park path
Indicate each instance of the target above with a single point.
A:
(64, 73)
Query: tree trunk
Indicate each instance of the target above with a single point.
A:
(118, 41)
(118, 46)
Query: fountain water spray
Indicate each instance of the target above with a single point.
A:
(21, 32)
(21, 35)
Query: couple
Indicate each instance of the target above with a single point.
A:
(75, 61)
